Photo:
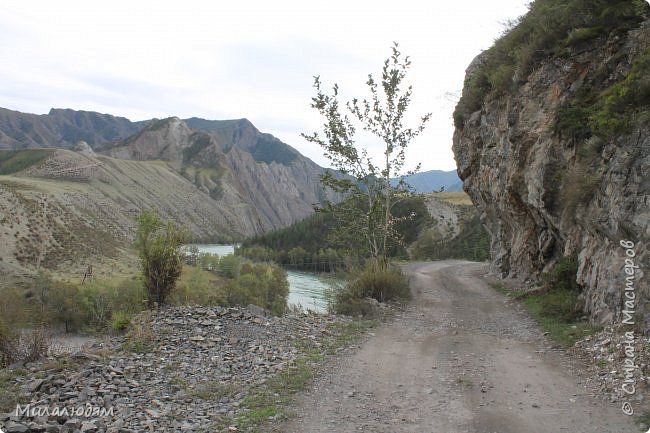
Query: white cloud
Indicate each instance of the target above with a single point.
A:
(253, 59)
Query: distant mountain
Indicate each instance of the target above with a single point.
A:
(62, 128)
(433, 180)
(233, 162)
(223, 180)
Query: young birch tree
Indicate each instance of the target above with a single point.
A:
(159, 247)
(367, 215)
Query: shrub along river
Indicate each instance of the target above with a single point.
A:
(305, 289)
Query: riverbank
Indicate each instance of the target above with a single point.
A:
(306, 290)
(180, 369)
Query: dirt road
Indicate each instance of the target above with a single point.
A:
(461, 358)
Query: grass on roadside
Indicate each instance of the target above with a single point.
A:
(549, 310)
(644, 419)
(270, 399)
(10, 392)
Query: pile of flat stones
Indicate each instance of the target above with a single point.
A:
(619, 365)
(198, 366)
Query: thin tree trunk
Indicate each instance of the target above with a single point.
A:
(387, 211)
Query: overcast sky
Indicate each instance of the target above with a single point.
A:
(253, 59)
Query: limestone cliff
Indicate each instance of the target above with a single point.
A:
(555, 151)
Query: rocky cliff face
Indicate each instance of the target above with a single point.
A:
(553, 175)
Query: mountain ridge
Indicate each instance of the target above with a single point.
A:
(224, 182)
(432, 181)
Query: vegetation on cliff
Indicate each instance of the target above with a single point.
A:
(555, 28)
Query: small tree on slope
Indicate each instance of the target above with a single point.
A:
(158, 246)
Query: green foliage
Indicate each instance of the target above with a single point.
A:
(557, 306)
(269, 149)
(120, 321)
(611, 111)
(63, 306)
(11, 393)
(87, 307)
(381, 115)
(550, 28)
(99, 301)
(199, 142)
(644, 419)
(500, 78)
(563, 275)
(561, 304)
(230, 266)
(581, 180)
(272, 397)
(16, 308)
(372, 281)
(315, 245)
(556, 314)
(197, 286)
(13, 161)
(580, 35)
(260, 284)
(158, 245)
(208, 261)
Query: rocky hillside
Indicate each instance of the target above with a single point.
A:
(188, 369)
(69, 209)
(235, 164)
(552, 142)
(230, 160)
(223, 180)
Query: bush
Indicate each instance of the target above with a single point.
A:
(22, 346)
(578, 188)
(263, 285)
(99, 301)
(159, 247)
(577, 36)
(63, 306)
(230, 266)
(197, 287)
(14, 307)
(120, 321)
(563, 275)
(371, 281)
(559, 299)
(501, 78)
